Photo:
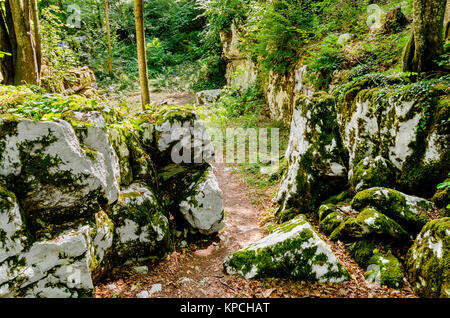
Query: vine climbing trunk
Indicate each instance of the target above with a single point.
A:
(142, 56)
(108, 35)
(427, 37)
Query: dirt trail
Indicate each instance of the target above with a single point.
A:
(199, 274)
(198, 271)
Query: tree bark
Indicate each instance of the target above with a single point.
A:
(108, 35)
(26, 64)
(142, 56)
(36, 33)
(6, 62)
(427, 38)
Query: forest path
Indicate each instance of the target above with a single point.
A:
(197, 270)
(199, 273)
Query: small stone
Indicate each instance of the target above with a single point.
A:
(156, 288)
(140, 269)
(143, 294)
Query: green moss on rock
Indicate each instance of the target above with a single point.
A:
(409, 211)
(369, 223)
(294, 251)
(385, 270)
(369, 173)
(428, 260)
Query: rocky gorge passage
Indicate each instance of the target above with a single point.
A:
(200, 273)
(110, 214)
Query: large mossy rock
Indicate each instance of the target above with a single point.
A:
(141, 226)
(203, 208)
(293, 251)
(316, 168)
(369, 173)
(55, 177)
(408, 211)
(405, 123)
(428, 260)
(367, 224)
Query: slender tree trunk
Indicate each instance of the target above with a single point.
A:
(142, 56)
(36, 33)
(6, 62)
(426, 41)
(26, 60)
(108, 35)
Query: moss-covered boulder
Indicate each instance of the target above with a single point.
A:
(401, 121)
(369, 173)
(331, 222)
(369, 223)
(293, 251)
(362, 251)
(385, 270)
(409, 211)
(203, 208)
(55, 177)
(428, 260)
(325, 209)
(141, 228)
(316, 166)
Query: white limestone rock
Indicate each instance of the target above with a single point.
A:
(203, 209)
(208, 96)
(141, 228)
(58, 179)
(12, 230)
(292, 251)
(315, 166)
(61, 267)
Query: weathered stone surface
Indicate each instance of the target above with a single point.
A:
(280, 96)
(63, 266)
(293, 251)
(369, 223)
(316, 168)
(409, 211)
(369, 173)
(241, 73)
(12, 230)
(385, 270)
(94, 137)
(56, 178)
(203, 208)
(141, 228)
(385, 116)
(428, 260)
(208, 96)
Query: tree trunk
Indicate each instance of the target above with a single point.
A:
(426, 41)
(108, 35)
(142, 56)
(36, 34)
(26, 61)
(6, 60)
